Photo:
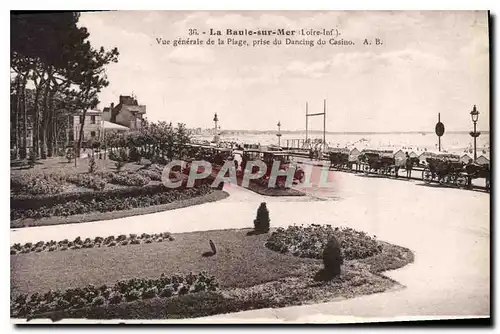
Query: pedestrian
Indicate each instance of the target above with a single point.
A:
(409, 165)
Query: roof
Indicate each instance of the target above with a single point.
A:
(441, 155)
(381, 152)
(482, 160)
(92, 112)
(113, 126)
(276, 153)
(141, 109)
(339, 150)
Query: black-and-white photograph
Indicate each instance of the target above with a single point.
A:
(249, 166)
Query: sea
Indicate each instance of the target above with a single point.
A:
(456, 142)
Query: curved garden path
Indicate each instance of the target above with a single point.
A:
(447, 229)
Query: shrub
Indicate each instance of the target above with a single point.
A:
(132, 295)
(168, 291)
(156, 168)
(92, 164)
(129, 179)
(183, 290)
(150, 174)
(310, 241)
(150, 293)
(99, 300)
(115, 297)
(200, 286)
(92, 181)
(332, 258)
(261, 223)
(37, 184)
(121, 158)
(70, 154)
(134, 155)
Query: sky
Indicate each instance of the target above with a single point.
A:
(429, 63)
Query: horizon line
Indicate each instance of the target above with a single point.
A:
(345, 132)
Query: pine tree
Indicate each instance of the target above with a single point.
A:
(261, 223)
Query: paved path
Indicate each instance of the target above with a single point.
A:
(448, 230)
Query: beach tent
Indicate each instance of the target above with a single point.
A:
(399, 155)
(422, 157)
(413, 155)
(482, 160)
(465, 158)
(353, 155)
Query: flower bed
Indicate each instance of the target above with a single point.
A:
(123, 291)
(78, 243)
(150, 174)
(107, 201)
(310, 241)
(36, 184)
(88, 180)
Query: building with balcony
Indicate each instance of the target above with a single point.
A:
(127, 113)
(94, 126)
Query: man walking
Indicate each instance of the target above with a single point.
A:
(409, 165)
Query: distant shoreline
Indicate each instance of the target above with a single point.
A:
(225, 132)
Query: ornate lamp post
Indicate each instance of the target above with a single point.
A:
(216, 119)
(279, 134)
(216, 129)
(474, 114)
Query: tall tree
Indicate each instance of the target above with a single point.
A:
(52, 51)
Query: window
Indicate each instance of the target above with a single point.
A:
(92, 119)
(92, 134)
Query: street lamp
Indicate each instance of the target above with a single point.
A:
(474, 114)
(216, 137)
(216, 119)
(279, 133)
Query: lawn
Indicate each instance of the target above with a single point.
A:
(250, 275)
(242, 260)
(61, 165)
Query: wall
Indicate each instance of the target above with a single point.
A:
(88, 127)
